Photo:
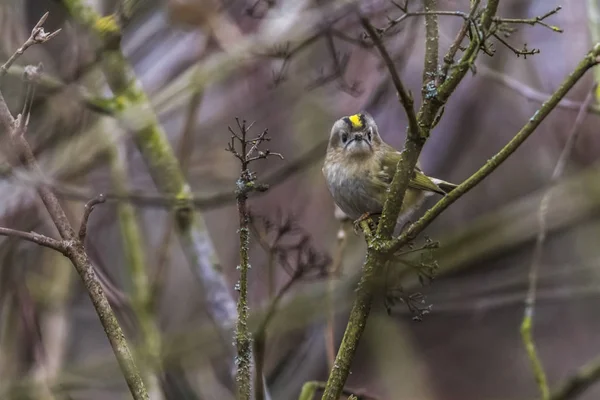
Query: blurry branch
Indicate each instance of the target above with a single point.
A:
(70, 245)
(289, 247)
(136, 264)
(527, 323)
(54, 322)
(55, 85)
(299, 27)
(575, 385)
(37, 36)
(184, 153)
(218, 200)
(334, 272)
(337, 73)
(529, 92)
(248, 152)
(594, 27)
(136, 114)
(403, 95)
(9, 336)
(575, 199)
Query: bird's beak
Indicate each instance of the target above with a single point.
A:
(359, 140)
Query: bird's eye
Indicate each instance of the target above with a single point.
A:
(344, 137)
(369, 134)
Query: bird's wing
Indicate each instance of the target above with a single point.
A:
(419, 181)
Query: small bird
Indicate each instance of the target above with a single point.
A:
(359, 167)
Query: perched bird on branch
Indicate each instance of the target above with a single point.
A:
(359, 168)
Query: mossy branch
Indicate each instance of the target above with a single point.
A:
(247, 151)
(573, 386)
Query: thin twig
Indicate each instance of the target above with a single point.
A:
(184, 153)
(528, 314)
(427, 13)
(530, 93)
(532, 21)
(404, 96)
(37, 36)
(87, 211)
(333, 274)
(455, 46)
(272, 179)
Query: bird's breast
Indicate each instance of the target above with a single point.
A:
(352, 190)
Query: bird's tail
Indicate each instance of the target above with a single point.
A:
(447, 187)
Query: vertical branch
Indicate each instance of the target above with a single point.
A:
(184, 153)
(54, 321)
(334, 272)
(247, 152)
(594, 26)
(432, 39)
(242, 335)
(136, 265)
(527, 323)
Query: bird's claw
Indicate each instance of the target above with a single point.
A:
(360, 219)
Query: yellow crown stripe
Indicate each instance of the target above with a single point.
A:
(356, 120)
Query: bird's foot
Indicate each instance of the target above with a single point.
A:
(360, 219)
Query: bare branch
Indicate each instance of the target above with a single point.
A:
(245, 185)
(36, 238)
(37, 36)
(403, 94)
(527, 323)
(89, 207)
(455, 46)
(532, 21)
(529, 92)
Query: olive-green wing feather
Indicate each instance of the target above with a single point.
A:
(423, 182)
(419, 180)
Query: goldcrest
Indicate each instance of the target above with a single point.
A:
(359, 167)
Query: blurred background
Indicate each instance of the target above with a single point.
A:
(294, 67)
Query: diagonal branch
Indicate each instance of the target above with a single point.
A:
(404, 96)
(590, 60)
(527, 323)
